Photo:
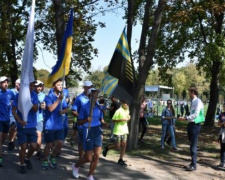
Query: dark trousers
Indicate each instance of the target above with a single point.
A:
(222, 152)
(144, 126)
(193, 132)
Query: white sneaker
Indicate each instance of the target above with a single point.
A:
(90, 177)
(75, 171)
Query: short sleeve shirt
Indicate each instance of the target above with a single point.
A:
(32, 115)
(96, 116)
(40, 112)
(53, 120)
(120, 128)
(5, 104)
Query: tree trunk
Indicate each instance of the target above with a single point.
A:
(60, 23)
(143, 71)
(214, 94)
(130, 20)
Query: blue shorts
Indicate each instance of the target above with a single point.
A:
(4, 126)
(25, 135)
(53, 135)
(39, 126)
(91, 138)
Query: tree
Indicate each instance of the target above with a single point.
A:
(13, 14)
(195, 29)
(146, 54)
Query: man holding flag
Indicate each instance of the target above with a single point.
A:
(56, 106)
(26, 130)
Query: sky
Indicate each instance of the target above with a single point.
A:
(105, 41)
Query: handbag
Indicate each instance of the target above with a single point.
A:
(200, 118)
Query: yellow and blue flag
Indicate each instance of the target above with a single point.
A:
(119, 79)
(62, 66)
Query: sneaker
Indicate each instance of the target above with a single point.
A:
(45, 165)
(104, 152)
(11, 146)
(174, 149)
(191, 168)
(28, 163)
(90, 177)
(75, 171)
(38, 155)
(52, 161)
(22, 169)
(1, 162)
(121, 162)
(221, 165)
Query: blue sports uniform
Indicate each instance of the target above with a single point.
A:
(91, 138)
(28, 132)
(5, 106)
(40, 112)
(53, 123)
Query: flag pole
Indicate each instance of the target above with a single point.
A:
(63, 80)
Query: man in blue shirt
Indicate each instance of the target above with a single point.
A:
(80, 101)
(6, 96)
(56, 106)
(26, 131)
(12, 129)
(40, 114)
(91, 136)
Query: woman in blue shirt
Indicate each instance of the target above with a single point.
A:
(167, 117)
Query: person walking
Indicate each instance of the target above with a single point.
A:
(80, 101)
(56, 106)
(194, 125)
(120, 132)
(143, 120)
(221, 124)
(12, 129)
(113, 108)
(26, 131)
(91, 136)
(6, 96)
(40, 115)
(167, 117)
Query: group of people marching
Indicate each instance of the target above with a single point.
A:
(48, 113)
(48, 117)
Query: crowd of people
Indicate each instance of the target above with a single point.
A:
(48, 118)
(47, 122)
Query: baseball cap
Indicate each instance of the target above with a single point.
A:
(87, 83)
(38, 82)
(18, 81)
(89, 90)
(3, 78)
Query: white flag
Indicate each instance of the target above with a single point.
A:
(27, 75)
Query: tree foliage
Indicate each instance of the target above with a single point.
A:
(194, 30)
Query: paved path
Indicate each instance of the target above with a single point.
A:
(106, 170)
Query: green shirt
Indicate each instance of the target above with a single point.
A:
(121, 128)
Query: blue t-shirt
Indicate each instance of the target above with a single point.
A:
(15, 92)
(65, 95)
(53, 120)
(40, 112)
(80, 101)
(96, 117)
(5, 104)
(32, 116)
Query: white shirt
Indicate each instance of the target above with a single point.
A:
(196, 106)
